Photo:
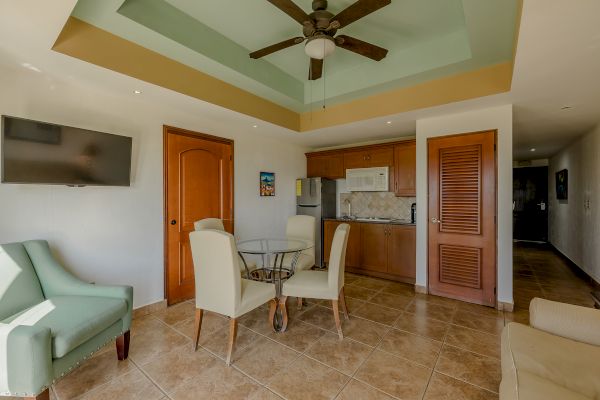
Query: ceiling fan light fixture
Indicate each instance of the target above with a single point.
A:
(319, 47)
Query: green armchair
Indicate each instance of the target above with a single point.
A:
(50, 321)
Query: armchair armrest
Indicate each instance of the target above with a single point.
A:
(566, 320)
(26, 359)
(57, 281)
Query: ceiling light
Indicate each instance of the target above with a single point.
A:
(532, 149)
(319, 46)
(566, 108)
(137, 91)
(255, 126)
(31, 67)
(389, 122)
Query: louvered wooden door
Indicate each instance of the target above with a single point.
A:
(462, 209)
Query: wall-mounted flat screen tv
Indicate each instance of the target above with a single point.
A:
(42, 153)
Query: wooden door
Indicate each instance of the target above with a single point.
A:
(198, 184)
(405, 160)
(530, 199)
(374, 247)
(462, 213)
(403, 251)
(330, 166)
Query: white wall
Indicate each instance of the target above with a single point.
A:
(499, 118)
(574, 224)
(114, 235)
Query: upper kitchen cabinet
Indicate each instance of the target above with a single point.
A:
(325, 165)
(369, 157)
(405, 164)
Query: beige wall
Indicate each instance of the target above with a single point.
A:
(574, 224)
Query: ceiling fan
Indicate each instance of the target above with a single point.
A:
(320, 28)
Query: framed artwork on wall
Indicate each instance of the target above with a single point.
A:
(267, 184)
(562, 185)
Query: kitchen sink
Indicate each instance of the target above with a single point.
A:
(369, 219)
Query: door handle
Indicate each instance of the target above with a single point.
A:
(436, 221)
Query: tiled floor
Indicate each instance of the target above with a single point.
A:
(397, 345)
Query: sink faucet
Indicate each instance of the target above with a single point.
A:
(347, 201)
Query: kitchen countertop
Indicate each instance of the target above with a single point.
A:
(373, 221)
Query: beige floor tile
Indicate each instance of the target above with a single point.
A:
(264, 394)
(399, 302)
(349, 278)
(175, 367)
(177, 313)
(308, 379)
(257, 320)
(133, 385)
(264, 358)
(478, 309)
(415, 348)
(352, 304)
(472, 368)
(382, 315)
(92, 374)
(299, 335)
(404, 289)
(365, 331)
(321, 317)
(475, 341)
(371, 283)
(428, 309)
(356, 390)
(394, 375)
(344, 355)
(479, 322)
(422, 326)
(443, 387)
(441, 301)
(520, 316)
(153, 340)
(211, 323)
(358, 292)
(217, 342)
(218, 382)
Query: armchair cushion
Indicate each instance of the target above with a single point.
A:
(19, 285)
(72, 320)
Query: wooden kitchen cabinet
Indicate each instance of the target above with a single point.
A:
(325, 165)
(374, 247)
(353, 247)
(369, 157)
(405, 168)
(403, 251)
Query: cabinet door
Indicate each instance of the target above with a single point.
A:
(353, 248)
(405, 160)
(403, 251)
(373, 247)
(381, 157)
(329, 166)
(329, 228)
(355, 159)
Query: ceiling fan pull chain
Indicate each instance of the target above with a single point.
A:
(324, 75)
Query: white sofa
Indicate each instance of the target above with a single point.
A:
(557, 357)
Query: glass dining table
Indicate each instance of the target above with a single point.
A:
(278, 258)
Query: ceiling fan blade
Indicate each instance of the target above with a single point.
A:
(276, 47)
(358, 10)
(316, 69)
(363, 48)
(291, 9)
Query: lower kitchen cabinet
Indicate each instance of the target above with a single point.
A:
(382, 250)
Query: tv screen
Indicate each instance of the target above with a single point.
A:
(38, 152)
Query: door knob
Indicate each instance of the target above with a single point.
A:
(435, 221)
(173, 222)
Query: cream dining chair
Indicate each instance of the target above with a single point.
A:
(219, 286)
(301, 227)
(246, 267)
(324, 285)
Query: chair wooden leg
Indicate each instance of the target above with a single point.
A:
(45, 395)
(343, 303)
(232, 335)
(123, 346)
(299, 303)
(336, 316)
(197, 327)
(272, 311)
(284, 314)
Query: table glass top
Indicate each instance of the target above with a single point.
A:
(272, 246)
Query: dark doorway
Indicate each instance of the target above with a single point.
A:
(530, 204)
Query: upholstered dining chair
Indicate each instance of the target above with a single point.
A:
(301, 227)
(219, 286)
(246, 267)
(324, 285)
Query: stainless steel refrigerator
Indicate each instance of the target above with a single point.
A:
(316, 197)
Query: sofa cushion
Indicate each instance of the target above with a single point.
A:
(72, 320)
(19, 284)
(537, 356)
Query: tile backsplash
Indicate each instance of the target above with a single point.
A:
(376, 204)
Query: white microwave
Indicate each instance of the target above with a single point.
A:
(368, 179)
